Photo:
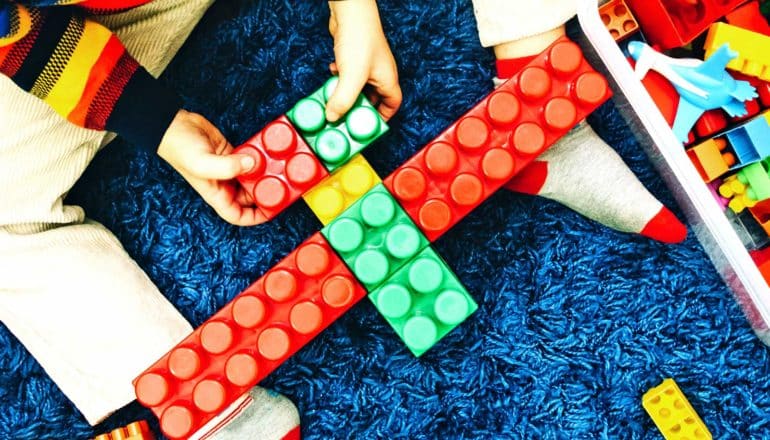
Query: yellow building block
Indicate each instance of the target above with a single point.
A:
(753, 49)
(673, 414)
(341, 189)
(135, 431)
(736, 191)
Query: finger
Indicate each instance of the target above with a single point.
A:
(373, 97)
(213, 166)
(244, 198)
(221, 197)
(333, 69)
(390, 99)
(345, 94)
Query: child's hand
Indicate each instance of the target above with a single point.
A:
(362, 57)
(201, 154)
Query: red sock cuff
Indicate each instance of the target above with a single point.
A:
(508, 68)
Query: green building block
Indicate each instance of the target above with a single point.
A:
(375, 237)
(423, 301)
(335, 143)
(755, 177)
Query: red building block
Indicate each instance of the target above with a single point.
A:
(749, 17)
(249, 338)
(618, 19)
(496, 139)
(285, 167)
(761, 213)
(675, 23)
(135, 431)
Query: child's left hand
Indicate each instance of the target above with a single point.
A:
(363, 57)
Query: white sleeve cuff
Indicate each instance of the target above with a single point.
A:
(502, 21)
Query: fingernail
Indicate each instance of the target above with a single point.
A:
(247, 162)
(332, 116)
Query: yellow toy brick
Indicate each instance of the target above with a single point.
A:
(673, 414)
(341, 189)
(753, 49)
(736, 191)
(135, 431)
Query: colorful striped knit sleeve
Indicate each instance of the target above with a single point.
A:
(82, 71)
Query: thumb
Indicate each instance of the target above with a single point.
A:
(345, 94)
(212, 166)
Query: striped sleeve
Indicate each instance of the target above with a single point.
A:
(84, 73)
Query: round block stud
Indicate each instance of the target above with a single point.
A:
(346, 235)
(337, 291)
(377, 209)
(270, 192)
(394, 301)
(409, 184)
(503, 108)
(280, 285)
(313, 259)
(420, 333)
(248, 311)
(402, 241)
(363, 124)
(528, 138)
(440, 159)
(590, 88)
(273, 343)
(356, 179)
(565, 58)
(259, 159)
(309, 115)
(209, 395)
(216, 337)
(151, 389)
(371, 267)
(241, 369)
(306, 317)
(472, 133)
(466, 189)
(498, 164)
(330, 86)
(435, 215)
(184, 363)
(302, 170)
(328, 202)
(279, 139)
(177, 421)
(451, 307)
(560, 114)
(332, 146)
(534, 83)
(425, 275)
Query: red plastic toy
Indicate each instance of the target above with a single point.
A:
(496, 139)
(675, 23)
(250, 337)
(749, 17)
(285, 167)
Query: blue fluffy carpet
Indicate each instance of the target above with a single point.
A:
(575, 321)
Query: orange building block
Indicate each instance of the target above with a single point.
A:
(135, 431)
(710, 158)
(249, 338)
(749, 17)
(618, 19)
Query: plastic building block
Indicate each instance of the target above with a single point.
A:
(341, 189)
(285, 167)
(423, 301)
(750, 140)
(753, 55)
(618, 19)
(496, 139)
(710, 158)
(249, 338)
(749, 17)
(335, 143)
(673, 414)
(761, 213)
(670, 23)
(135, 431)
(712, 122)
(762, 260)
(375, 237)
(747, 187)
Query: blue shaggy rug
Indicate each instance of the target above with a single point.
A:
(575, 321)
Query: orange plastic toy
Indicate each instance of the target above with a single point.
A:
(618, 19)
(135, 431)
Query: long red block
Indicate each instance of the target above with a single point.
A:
(285, 167)
(249, 338)
(673, 23)
(496, 139)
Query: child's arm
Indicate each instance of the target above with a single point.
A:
(362, 56)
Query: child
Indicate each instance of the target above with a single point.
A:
(580, 170)
(68, 290)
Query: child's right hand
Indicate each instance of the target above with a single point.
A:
(201, 154)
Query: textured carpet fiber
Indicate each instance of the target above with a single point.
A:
(575, 321)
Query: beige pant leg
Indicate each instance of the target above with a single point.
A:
(68, 290)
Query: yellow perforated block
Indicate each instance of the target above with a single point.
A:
(753, 49)
(341, 189)
(673, 414)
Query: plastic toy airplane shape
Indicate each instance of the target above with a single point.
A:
(702, 85)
